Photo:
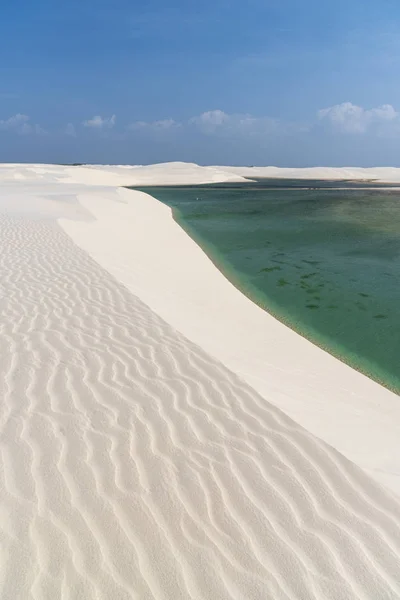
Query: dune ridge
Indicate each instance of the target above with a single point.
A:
(135, 466)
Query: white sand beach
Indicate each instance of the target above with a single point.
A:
(162, 437)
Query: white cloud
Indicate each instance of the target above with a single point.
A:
(98, 122)
(14, 122)
(218, 122)
(385, 112)
(213, 122)
(163, 125)
(20, 124)
(350, 118)
(210, 121)
(28, 129)
(70, 130)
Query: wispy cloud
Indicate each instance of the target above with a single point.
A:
(219, 122)
(14, 122)
(350, 118)
(345, 118)
(160, 126)
(21, 125)
(98, 122)
(210, 121)
(70, 130)
(28, 129)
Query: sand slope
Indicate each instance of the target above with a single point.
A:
(134, 466)
(136, 239)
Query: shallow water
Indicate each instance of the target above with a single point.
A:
(324, 261)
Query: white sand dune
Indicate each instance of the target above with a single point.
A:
(174, 277)
(136, 465)
(112, 176)
(376, 174)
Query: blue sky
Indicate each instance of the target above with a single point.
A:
(290, 83)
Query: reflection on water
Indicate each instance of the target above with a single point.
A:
(324, 261)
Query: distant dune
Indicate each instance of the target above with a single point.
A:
(376, 174)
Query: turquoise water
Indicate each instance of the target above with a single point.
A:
(324, 261)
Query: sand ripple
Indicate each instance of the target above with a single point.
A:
(134, 466)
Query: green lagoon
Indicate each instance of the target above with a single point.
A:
(323, 259)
